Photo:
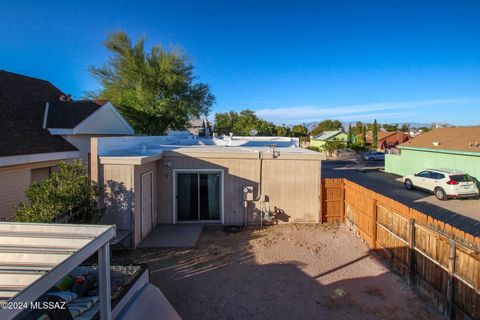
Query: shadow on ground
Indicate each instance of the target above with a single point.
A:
(386, 184)
(224, 279)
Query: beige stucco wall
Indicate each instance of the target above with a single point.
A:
(121, 185)
(139, 170)
(291, 186)
(14, 180)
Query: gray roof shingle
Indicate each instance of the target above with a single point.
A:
(68, 114)
(22, 107)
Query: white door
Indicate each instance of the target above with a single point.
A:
(147, 203)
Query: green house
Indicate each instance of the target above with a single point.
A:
(320, 139)
(453, 148)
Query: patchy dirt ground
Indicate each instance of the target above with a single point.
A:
(282, 272)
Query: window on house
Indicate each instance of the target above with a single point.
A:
(40, 174)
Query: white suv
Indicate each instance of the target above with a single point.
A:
(444, 183)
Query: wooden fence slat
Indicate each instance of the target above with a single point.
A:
(437, 258)
(451, 272)
(374, 224)
(411, 247)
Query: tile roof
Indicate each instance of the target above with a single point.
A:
(465, 139)
(22, 107)
(68, 114)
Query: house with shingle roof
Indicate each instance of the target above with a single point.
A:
(78, 121)
(320, 139)
(452, 147)
(39, 127)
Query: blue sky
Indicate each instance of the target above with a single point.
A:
(291, 61)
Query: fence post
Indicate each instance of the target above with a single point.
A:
(343, 200)
(411, 249)
(374, 224)
(451, 272)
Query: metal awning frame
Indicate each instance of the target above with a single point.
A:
(99, 243)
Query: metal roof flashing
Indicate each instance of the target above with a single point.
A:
(139, 150)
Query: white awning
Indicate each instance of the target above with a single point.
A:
(35, 256)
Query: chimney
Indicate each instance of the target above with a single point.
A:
(65, 98)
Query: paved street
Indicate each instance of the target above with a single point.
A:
(464, 214)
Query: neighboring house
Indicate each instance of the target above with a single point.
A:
(388, 140)
(78, 121)
(453, 148)
(35, 137)
(320, 139)
(179, 179)
(199, 127)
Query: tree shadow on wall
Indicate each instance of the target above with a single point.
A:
(119, 201)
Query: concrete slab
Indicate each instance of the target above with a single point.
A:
(173, 236)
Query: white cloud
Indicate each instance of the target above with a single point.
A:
(354, 112)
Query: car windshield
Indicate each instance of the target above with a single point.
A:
(461, 178)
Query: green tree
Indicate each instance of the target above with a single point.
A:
(425, 129)
(224, 122)
(375, 133)
(64, 191)
(299, 131)
(242, 123)
(390, 127)
(350, 134)
(265, 128)
(326, 125)
(155, 90)
(364, 136)
(333, 145)
(358, 128)
(405, 127)
(283, 131)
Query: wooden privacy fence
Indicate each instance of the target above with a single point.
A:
(439, 260)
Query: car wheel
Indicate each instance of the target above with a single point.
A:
(370, 159)
(440, 194)
(408, 184)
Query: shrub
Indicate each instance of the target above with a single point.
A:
(64, 191)
(358, 147)
(314, 148)
(333, 145)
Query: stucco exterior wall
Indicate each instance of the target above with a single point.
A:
(410, 161)
(139, 170)
(292, 186)
(122, 188)
(290, 183)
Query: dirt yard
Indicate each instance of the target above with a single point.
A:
(282, 272)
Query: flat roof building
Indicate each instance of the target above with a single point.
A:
(182, 179)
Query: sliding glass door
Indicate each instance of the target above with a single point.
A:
(198, 196)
